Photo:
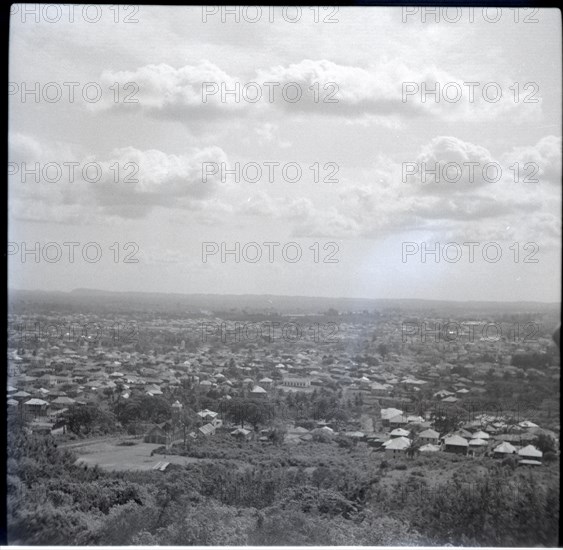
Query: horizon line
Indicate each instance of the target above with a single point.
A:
(81, 289)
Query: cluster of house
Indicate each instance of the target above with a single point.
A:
(404, 440)
(51, 378)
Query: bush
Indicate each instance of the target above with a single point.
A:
(510, 461)
(400, 466)
(550, 456)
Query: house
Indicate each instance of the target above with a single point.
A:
(450, 400)
(429, 436)
(266, 382)
(503, 450)
(207, 414)
(477, 445)
(20, 395)
(456, 444)
(398, 421)
(208, 429)
(258, 391)
(388, 414)
(35, 408)
(62, 402)
(396, 447)
(526, 424)
(530, 456)
(296, 382)
(481, 435)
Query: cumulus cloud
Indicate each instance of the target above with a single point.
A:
(389, 92)
(127, 183)
(503, 209)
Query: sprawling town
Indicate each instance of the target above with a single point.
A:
(344, 416)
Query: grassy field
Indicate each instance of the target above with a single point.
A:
(109, 455)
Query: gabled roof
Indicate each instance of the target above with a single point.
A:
(505, 448)
(449, 400)
(208, 429)
(387, 414)
(63, 400)
(530, 450)
(456, 440)
(397, 444)
(207, 412)
(527, 424)
(481, 435)
(36, 402)
(399, 432)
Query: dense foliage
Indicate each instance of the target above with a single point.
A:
(283, 496)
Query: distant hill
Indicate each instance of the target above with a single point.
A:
(83, 298)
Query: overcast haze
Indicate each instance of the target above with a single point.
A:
(369, 53)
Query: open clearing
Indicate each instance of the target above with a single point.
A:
(109, 455)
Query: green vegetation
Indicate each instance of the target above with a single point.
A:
(265, 494)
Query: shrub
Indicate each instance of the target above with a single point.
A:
(550, 456)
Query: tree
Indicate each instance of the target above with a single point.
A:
(545, 443)
(84, 418)
(188, 420)
(277, 435)
(383, 350)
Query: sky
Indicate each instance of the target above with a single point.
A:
(137, 151)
